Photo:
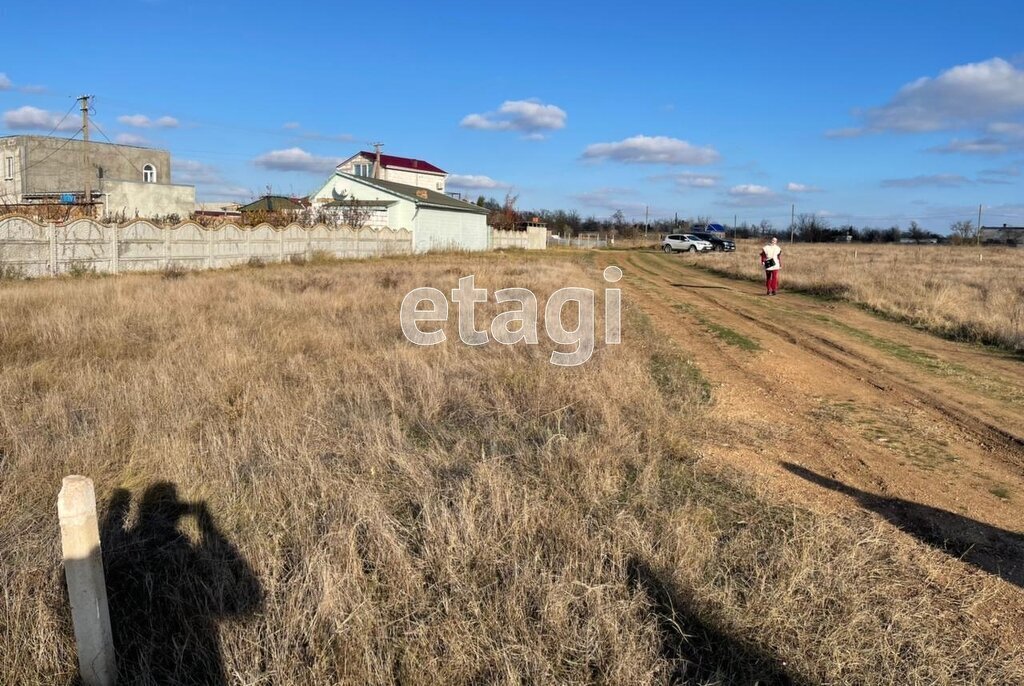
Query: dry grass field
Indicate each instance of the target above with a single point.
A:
(294, 494)
(965, 293)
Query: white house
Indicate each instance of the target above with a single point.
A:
(437, 221)
(407, 170)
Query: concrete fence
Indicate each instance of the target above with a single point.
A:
(533, 238)
(34, 249)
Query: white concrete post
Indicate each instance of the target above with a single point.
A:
(87, 590)
(208, 231)
(167, 246)
(52, 230)
(115, 248)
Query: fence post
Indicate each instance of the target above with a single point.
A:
(87, 590)
(281, 239)
(209, 247)
(115, 257)
(167, 246)
(53, 248)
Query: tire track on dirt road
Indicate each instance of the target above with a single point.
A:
(873, 405)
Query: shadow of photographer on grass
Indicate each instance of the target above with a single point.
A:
(989, 548)
(168, 592)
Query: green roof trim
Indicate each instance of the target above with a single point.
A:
(414, 193)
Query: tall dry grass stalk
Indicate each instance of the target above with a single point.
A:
(962, 292)
(353, 509)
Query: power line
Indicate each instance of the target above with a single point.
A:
(116, 147)
(57, 150)
(62, 119)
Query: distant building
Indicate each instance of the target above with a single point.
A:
(533, 222)
(437, 221)
(406, 170)
(121, 179)
(273, 203)
(1004, 235)
(227, 210)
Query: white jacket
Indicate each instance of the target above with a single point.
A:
(771, 252)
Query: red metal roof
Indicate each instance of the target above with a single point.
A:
(404, 162)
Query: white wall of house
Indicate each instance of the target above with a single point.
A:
(433, 228)
(399, 214)
(148, 200)
(439, 229)
(10, 171)
(411, 177)
(428, 180)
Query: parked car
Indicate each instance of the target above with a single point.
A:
(717, 240)
(685, 242)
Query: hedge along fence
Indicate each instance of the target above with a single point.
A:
(32, 249)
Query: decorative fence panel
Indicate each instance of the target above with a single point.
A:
(34, 249)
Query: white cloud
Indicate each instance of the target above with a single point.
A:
(794, 187)
(612, 199)
(296, 159)
(474, 182)
(530, 117)
(130, 139)
(141, 121)
(694, 180)
(752, 195)
(927, 180)
(29, 118)
(845, 132)
(652, 150)
(1009, 170)
(5, 83)
(1004, 128)
(291, 125)
(749, 189)
(965, 95)
(974, 146)
(208, 180)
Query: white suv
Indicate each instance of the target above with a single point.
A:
(678, 242)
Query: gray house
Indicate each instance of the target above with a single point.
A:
(121, 179)
(1006, 235)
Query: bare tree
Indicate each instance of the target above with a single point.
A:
(506, 217)
(963, 230)
(354, 213)
(917, 234)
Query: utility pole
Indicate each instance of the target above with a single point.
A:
(647, 219)
(376, 164)
(86, 172)
(792, 221)
(979, 225)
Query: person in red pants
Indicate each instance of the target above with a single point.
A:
(771, 256)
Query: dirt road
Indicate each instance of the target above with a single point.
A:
(840, 409)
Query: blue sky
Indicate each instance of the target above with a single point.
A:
(867, 112)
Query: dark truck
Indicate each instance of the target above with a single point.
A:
(715, 235)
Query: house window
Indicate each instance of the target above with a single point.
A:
(362, 170)
(9, 169)
(149, 174)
